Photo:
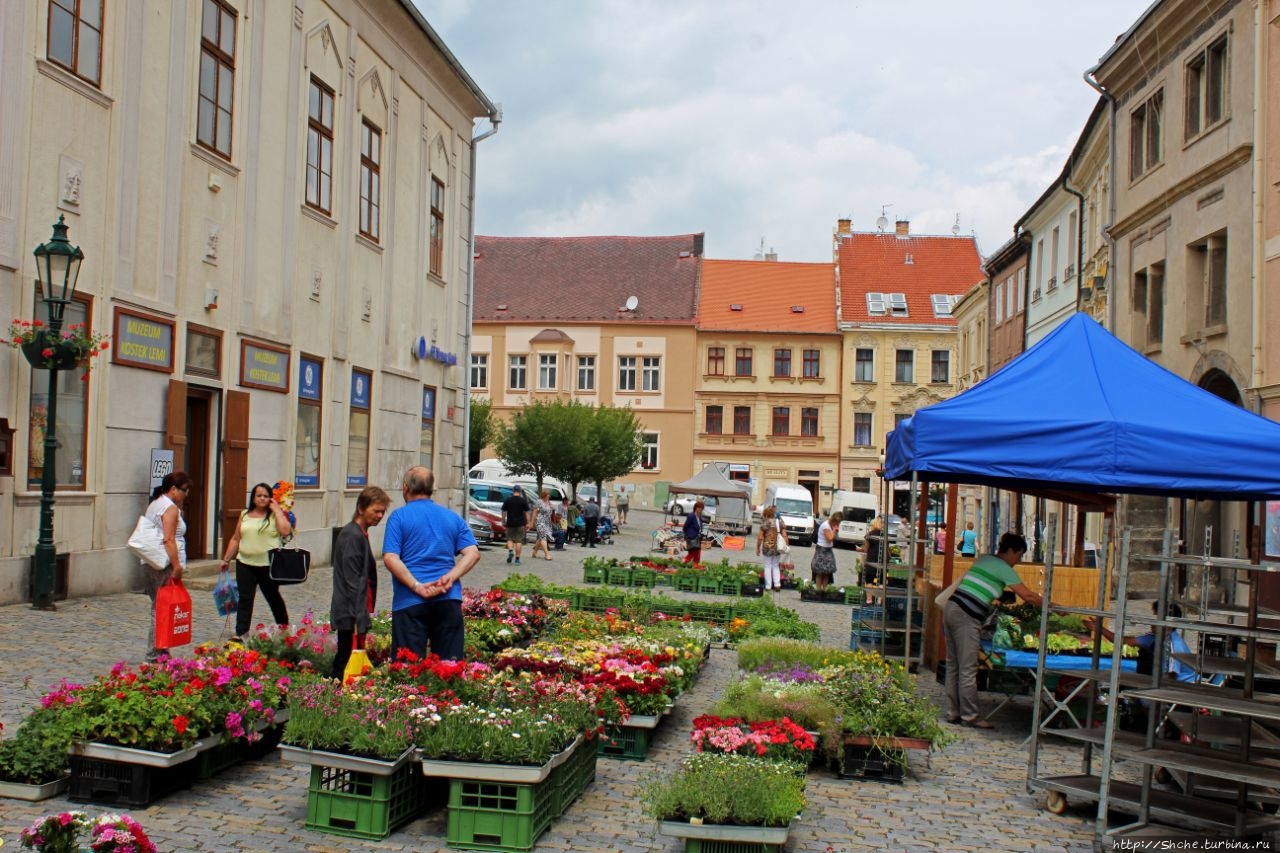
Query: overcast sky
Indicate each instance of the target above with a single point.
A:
(770, 120)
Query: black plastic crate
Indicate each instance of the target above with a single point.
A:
(872, 762)
(117, 783)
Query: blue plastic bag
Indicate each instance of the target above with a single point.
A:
(226, 595)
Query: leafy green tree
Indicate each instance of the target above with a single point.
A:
(545, 439)
(483, 431)
(616, 445)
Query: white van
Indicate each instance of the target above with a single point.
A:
(494, 471)
(856, 511)
(795, 507)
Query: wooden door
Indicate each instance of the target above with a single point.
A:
(175, 423)
(196, 507)
(235, 460)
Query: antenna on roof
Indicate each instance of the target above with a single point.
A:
(759, 255)
(882, 222)
(955, 229)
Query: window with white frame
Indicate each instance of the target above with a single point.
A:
(862, 429)
(547, 362)
(626, 373)
(898, 304)
(479, 370)
(942, 304)
(650, 373)
(586, 373)
(517, 372)
(877, 304)
(649, 456)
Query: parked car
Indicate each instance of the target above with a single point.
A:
(481, 528)
(489, 494)
(680, 506)
(498, 529)
(586, 493)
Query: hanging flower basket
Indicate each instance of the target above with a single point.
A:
(75, 346)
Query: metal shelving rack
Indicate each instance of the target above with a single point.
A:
(899, 639)
(1238, 782)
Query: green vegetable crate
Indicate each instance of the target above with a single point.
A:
(625, 742)
(706, 845)
(363, 805)
(499, 816)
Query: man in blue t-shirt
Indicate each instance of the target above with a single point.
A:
(428, 549)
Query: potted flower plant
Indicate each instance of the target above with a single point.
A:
(74, 345)
(108, 833)
(728, 798)
(33, 763)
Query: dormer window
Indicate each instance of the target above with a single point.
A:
(898, 304)
(942, 304)
(877, 304)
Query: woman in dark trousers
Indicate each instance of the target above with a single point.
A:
(263, 526)
(693, 534)
(355, 576)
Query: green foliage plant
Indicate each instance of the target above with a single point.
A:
(728, 789)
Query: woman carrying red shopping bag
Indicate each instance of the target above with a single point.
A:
(355, 576)
(165, 511)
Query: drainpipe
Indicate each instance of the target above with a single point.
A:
(495, 119)
(1066, 177)
(1112, 296)
(1257, 374)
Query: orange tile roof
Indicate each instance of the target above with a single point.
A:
(877, 263)
(767, 292)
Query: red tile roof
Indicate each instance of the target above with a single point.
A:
(766, 292)
(587, 279)
(877, 263)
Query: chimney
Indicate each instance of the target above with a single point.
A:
(902, 228)
(771, 255)
(697, 244)
(844, 226)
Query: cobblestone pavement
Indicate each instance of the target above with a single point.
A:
(970, 796)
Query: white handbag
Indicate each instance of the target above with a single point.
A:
(783, 547)
(147, 543)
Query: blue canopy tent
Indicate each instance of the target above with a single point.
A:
(1082, 412)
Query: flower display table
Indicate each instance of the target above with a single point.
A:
(722, 838)
(34, 793)
(123, 776)
(359, 797)
(880, 758)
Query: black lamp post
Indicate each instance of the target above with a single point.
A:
(57, 268)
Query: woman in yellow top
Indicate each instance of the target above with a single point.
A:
(263, 526)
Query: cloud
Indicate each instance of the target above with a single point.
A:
(752, 120)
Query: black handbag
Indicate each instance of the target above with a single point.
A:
(289, 565)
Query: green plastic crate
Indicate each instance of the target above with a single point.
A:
(854, 595)
(498, 815)
(591, 574)
(617, 576)
(706, 584)
(571, 778)
(703, 612)
(593, 602)
(706, 845)
(644, 578)
(733, 587)
(625, 742)
(685, 581)
(363, 805)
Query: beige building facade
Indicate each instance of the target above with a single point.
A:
(972, 331)
(273, 200)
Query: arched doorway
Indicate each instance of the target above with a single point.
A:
(1227, 519)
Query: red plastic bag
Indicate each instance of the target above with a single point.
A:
(173, 615)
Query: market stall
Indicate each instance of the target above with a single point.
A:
(733, 509)
(1078, 414)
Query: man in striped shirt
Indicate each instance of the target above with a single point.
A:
(962, 617)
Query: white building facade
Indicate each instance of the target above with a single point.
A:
(274, 203)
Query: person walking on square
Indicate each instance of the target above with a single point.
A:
(165, 511)
(590, 521)
(542, 526)
(624, 504)
(428, 549)
(518, 516)
(824, 556)
(872, 549)
(940, 538)
(263, 526)
(693, 534)
(963, 616)
(770, 538)
(968, 541)
(355, 576)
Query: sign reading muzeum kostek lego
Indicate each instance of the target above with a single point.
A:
(141, 340)
(265, 367)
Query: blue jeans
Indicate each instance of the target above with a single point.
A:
(437, 622)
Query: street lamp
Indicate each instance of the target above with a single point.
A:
(57, 268)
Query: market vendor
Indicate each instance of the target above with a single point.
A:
(963, 615)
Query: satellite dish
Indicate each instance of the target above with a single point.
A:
(882, 222)
(632, 302)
